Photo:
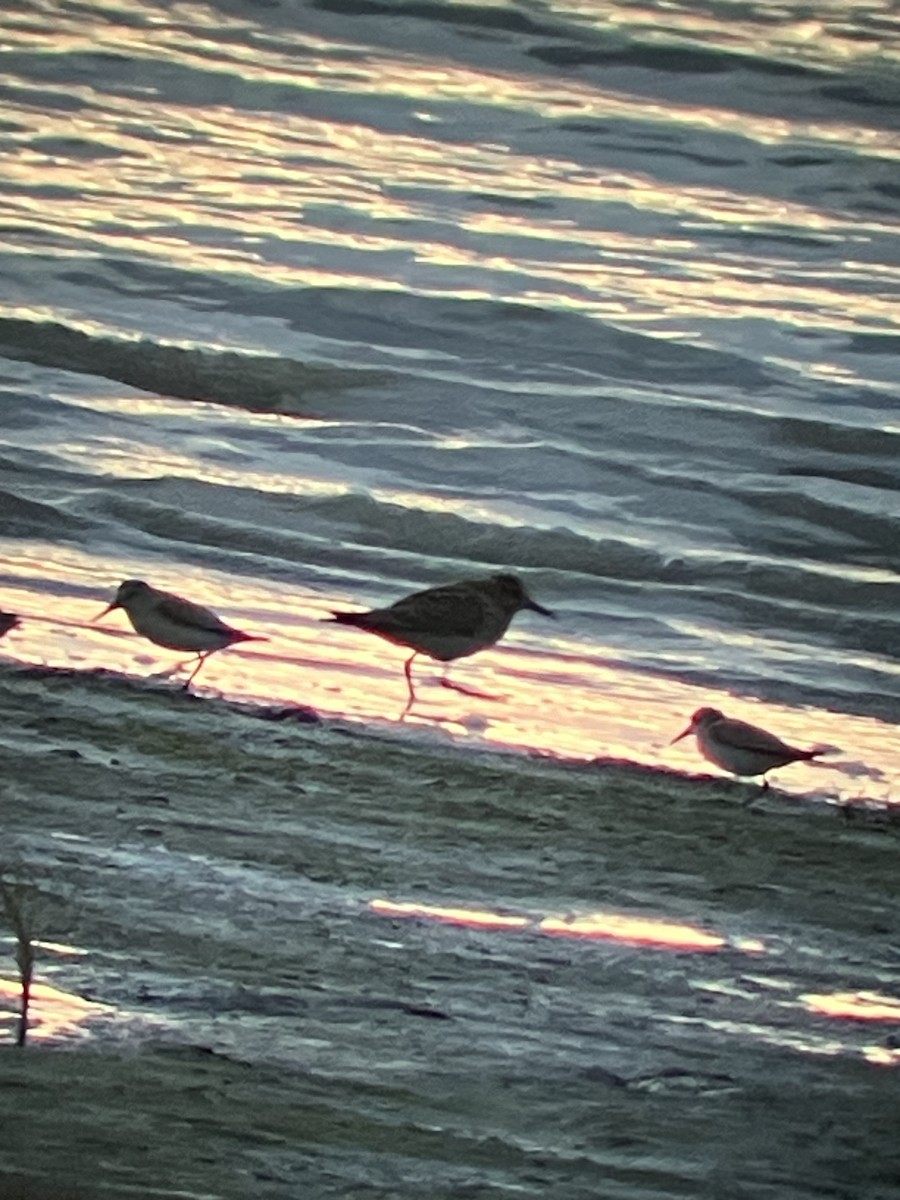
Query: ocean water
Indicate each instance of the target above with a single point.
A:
(307, 305)
(315, 304)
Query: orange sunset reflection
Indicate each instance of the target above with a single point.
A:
(473, 918)
(540, 690)
(642, 931)
(52, 1013)
(854, 1006)
(865, 1008)
(652, 932)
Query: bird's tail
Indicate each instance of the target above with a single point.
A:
(816, 752)
(248, 637)
(348, 618)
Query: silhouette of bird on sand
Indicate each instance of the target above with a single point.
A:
(178, 624)
(741, 748)
(447, 622)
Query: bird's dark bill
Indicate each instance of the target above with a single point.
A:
(538, 608)
(683, 734)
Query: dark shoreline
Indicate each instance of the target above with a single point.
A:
(271, 1034)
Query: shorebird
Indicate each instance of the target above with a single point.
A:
(741, 748)
(8, 621)
(447, 622)
(176, 623)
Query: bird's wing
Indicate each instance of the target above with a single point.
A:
(455, 610)
(744, 736)
(192, 616)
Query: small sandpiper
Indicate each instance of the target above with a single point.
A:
(447, 622)
(176, 623)
(8, 621)
(743, 749)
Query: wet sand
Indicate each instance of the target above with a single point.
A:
(292, 958)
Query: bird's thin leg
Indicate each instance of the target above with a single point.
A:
(447, 682)
(407, 671)
(201, 659)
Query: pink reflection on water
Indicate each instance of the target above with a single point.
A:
(855, 1006)
(53, 1013)
(541, 691)
(652, 932)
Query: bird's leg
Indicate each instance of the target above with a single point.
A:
(447, 682)
(201, 659)
(407, 671)
(168, 672)
(463, 689)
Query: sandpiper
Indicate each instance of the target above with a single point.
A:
(8, 621)
(447, 622)
(741, 748)
(176, 623)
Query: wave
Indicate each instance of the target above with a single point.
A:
(258, 383)
(344, 531)
(503, 336)
(868, 81)
(21, 517)
(675, 57)
(478, 16)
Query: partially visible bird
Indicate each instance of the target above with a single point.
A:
(741, 748)
(447, 622)
(176, 623)
(8, 621)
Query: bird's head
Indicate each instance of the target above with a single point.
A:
(513, 596)
(126, 593)
(702, 719)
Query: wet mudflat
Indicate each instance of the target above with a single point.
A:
(291, 958)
